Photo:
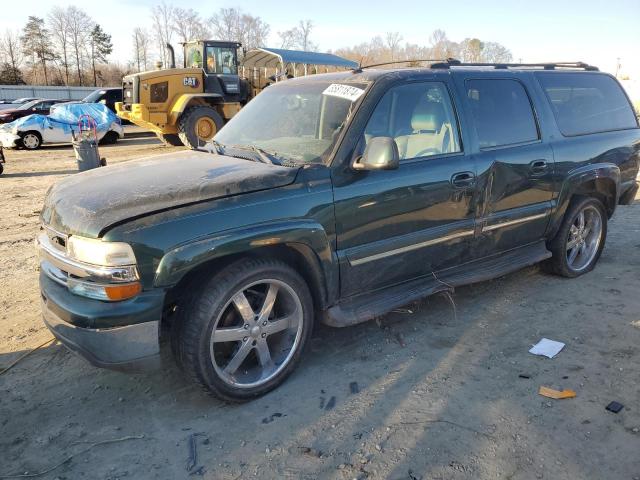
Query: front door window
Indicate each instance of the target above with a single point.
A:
(221, 60)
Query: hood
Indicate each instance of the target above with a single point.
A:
(12, 111)
(88, 203)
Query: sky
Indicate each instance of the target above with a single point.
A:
(593, 31)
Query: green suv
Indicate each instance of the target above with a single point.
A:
(334, 198)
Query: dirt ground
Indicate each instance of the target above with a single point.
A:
(437, 392)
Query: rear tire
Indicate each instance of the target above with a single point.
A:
(170, 139)
(109, 138)
(31, 140)
(1, 168)
(243, 332)
(198, 125)
(578, 244)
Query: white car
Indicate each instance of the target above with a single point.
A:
(57, 127)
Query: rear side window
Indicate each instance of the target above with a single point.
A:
(502, 112)
(586, 103)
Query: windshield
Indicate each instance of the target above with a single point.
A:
(298, 121)
(28, 105)
(20, 101)
(94, 97)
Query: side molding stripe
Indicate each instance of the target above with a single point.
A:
(446, 238)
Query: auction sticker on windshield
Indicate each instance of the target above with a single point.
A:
(343, 91)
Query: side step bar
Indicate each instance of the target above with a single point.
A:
(364, 307)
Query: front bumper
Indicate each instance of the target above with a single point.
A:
(132, 348)
(127, 346)
(8, 140)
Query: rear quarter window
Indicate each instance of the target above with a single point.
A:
(585, 103)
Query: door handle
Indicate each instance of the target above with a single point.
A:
(538, 166)
(463, 179)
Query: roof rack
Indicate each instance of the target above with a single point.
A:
(360, 67)
(452, 62)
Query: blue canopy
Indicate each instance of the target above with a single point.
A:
(274, 57)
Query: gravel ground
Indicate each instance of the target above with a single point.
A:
(429, 391)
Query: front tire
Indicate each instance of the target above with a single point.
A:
(243, 333)
(580, 240)
(30, 140)
(198, 125)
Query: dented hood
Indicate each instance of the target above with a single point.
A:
(88, 203)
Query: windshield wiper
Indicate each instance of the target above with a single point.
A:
(264, 156)
(218, 147)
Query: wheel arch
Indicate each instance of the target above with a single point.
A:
(191, 100)
(601, 181)
(304, 247)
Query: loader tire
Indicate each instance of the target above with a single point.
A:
(170, 139)
(198, 125)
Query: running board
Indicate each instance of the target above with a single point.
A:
(361, 308)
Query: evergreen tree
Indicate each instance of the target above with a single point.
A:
(10, 75)
(101, 46)
(36, 44)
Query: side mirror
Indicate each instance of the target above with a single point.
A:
(103, 101)
(381, 153)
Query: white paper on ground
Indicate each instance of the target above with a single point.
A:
(547, 348)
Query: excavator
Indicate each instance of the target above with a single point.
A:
(187, 106)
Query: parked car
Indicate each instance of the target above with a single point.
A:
(16, 103)
(41, 107)
(33, 131)
(337, 198)
(106, 96)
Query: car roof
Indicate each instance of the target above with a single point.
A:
(367, 75)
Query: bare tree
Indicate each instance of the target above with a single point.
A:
(298, 37)
(494, 52)
(10, 49)
(287, 38)
(162, 16)
(305, 28)
(471, 50)
(393, 40)
(141, 42)
(189, 25)
(80, 26)
(441, 46)
(59, 25)
(232, 24)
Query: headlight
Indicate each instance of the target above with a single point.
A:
(111, 273)
(97, 252)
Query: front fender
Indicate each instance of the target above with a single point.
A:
(302, 235)
(574, 182)
(181, 103)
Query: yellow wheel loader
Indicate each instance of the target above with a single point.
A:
(187, 106)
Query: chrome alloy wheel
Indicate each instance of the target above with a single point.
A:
(257, 333)
(584, 239)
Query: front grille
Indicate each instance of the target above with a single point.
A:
(56, 239)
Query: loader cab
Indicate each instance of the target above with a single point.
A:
(219, 61)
